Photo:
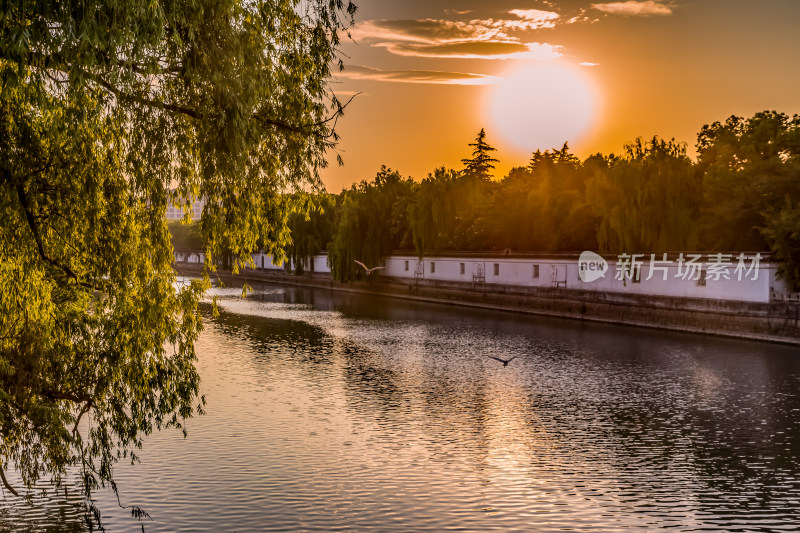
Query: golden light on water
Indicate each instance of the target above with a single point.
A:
(544, 105)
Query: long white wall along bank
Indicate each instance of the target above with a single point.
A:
(749, 277)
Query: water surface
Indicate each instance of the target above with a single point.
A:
(334, 411)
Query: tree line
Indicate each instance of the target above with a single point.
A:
(742, 193)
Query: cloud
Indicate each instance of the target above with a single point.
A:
(644, 8)
(358, 72)
(589, 64)
(475, 50)
(425, 30)
(536, 18)
(485, 39)
(580, 17)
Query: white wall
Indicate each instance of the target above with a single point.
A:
(192, 257)
(564, 273)
(264, 261)
(321, 264)
(510, 271)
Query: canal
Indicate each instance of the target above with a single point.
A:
(331, 411)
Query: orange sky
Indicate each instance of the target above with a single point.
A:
(428, 70)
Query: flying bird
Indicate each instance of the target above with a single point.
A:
(367, 270)
(504, 361)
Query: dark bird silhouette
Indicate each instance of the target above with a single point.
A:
(504, 361)
(366, 269)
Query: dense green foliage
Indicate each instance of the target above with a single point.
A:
(109, 111)
(186, 237)
(449, 212)
(543, 206)
(372, 221)
(647, 200)
(742, 194)
(782, 232)
(751, 167)
(311, 229)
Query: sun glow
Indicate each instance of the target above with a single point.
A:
(543, 106)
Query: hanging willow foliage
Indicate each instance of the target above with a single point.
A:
(109, 112)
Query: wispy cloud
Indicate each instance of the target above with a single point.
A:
(589, 64)
(359, 72)
(457, 11)
(582, 16)
(486, 39)
(644, 8)
(422, 30)
(533, 18)
(476, 50)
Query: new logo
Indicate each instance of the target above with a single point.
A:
(591, 267)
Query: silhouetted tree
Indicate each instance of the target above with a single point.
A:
(432, 211)
(480, 164)
(543, 207)
(450, 212)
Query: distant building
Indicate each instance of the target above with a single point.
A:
(174, 213)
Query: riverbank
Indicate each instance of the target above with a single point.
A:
(772, 322)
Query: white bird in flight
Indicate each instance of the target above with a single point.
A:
(367, 270)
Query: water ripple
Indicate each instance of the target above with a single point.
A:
(338, 412)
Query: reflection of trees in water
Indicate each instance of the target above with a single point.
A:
(654, 421)
(269, 336)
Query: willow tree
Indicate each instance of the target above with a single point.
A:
(432, 212)
(542, 206)
(373, 222)
(312, 229)
(647, 200)
(109, 111)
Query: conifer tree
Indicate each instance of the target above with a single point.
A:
(481, 163)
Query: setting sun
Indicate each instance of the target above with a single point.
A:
(543, 106)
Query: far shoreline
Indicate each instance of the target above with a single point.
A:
(776, 322)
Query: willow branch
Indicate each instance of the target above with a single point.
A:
(6, 484)
(56, 62)
(31, 220)
(83, 411)
(189, 112)
(306, 129)
(183, 110)
(56, 395)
